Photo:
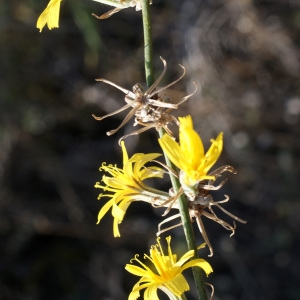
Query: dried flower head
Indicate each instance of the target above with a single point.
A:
(166, 273)
(201, 205)
(157, 118)
(142, 103)
(119, 5)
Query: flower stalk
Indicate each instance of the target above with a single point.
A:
(183, 208)
(148, 50)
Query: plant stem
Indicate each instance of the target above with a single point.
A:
(148, 52)
(183, 297)
(183, 207)
(188, 229)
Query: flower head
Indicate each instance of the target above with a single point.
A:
(119, 5)
(167, 275)
(189, 155)
(144, 103)
(126, 185)
(49, 16)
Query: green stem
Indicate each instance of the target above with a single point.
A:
(182, 297)
(148, 52)
(183, 207)
(188, 229)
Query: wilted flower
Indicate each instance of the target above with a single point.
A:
(202, 205)
(142, 103)
(126, 185)
(49, 16)
(157, 118)
(119, 5)
(166, 273)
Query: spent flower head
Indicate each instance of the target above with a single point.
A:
(126, 185)
(202, 205)
(166, 272)
(157, 118)
(49, 16)
(144, 104)
(119, 5)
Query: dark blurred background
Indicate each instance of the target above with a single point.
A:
(244, 54)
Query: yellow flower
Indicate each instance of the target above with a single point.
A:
(189, 155)
(167, 275)
(49, 16)
(126, 185)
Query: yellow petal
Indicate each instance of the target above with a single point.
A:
(177, 285)
(201, 246)
(185, 257)
(135, 270)
(116, 231)
(151, 172)
(199, 262)
(213, 154)
(105, 209)
(117, 212)
(140, 159)
(135, 293)
(49, 16)
(151, 292)
(190, 142)
(125, 154)
(172, 150)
